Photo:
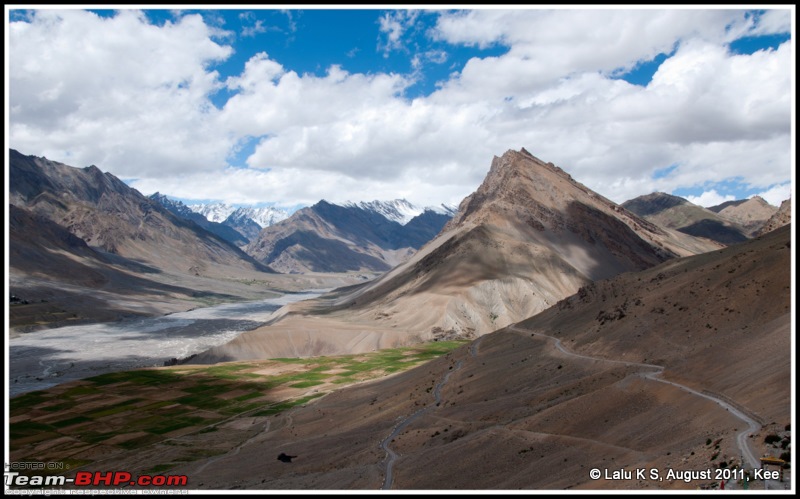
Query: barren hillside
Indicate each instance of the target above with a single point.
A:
(528, 237)
(579, 386)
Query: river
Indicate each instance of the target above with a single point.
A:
(47, 358)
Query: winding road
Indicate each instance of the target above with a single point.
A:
(655, 375)
(388, 479)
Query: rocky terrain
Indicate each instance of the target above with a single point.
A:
(678, 213)
(528, 237)
(751, 214)
(327, 237)
(600, 340)
(781, 217)
(682, 366)
(85, 247)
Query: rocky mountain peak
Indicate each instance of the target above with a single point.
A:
(783, 216)
(518, 180)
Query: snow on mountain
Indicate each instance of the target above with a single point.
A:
(443, 209)
(264, 217)
(220, 212)
(173, 205)
(214, 212)
(399, 210)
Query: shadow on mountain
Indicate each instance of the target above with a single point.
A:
(600, 229)
(715, 230)
(325, 255)
(131, 264)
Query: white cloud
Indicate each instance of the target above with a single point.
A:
(394, 25)
(777, 194)
(563, 42)
(436, 56)
(257, 28)
(117, 92)
(710, 198)
(133, 98)
(773, 21)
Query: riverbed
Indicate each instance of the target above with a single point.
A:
(43, 359)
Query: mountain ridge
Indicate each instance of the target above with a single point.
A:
(624, 371)
(331, 237)
(112, 248)
(526, 238)
(680, 214)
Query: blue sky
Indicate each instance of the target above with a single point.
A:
(286, 107)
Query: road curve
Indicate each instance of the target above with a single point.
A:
(655, 375)
(388, 477)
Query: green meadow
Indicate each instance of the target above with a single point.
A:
(76, 422)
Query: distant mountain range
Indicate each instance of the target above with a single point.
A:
(371, 236)
(227, 231)
(220, 212)
(529, 230)
(400, 210)
(331, 238)
(728, 223)
(527, 238)
(76, 231)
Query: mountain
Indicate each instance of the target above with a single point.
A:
(331, 238)
(220, 212)
(214, 212)
(528, 237)
(668, 368)
(751, 214)
(399, 210)
(236, 225)
(247, 221)
(241, 220)
(780, 218)
(112, 217)
(677, 213)
(225, 231)
(84, 239)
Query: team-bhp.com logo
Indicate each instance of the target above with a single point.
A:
(95, 479)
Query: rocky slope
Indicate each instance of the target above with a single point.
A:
(230, 233)
(645, 362)
(330, 238)
(84, 247)
(751, 214)
(677, 213)
(781, 217)
(114, 218)
(528, 237)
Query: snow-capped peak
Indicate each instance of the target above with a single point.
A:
(264, 217)
(173, 205)
(398, 210)
(220, 212)
(443, 209)
(216, 212)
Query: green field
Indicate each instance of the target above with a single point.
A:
(130, 410)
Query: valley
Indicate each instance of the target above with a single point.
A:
(151, 420)
(542, 333)
(47, 358)
(509, 249)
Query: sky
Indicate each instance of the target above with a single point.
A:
(288, 107)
